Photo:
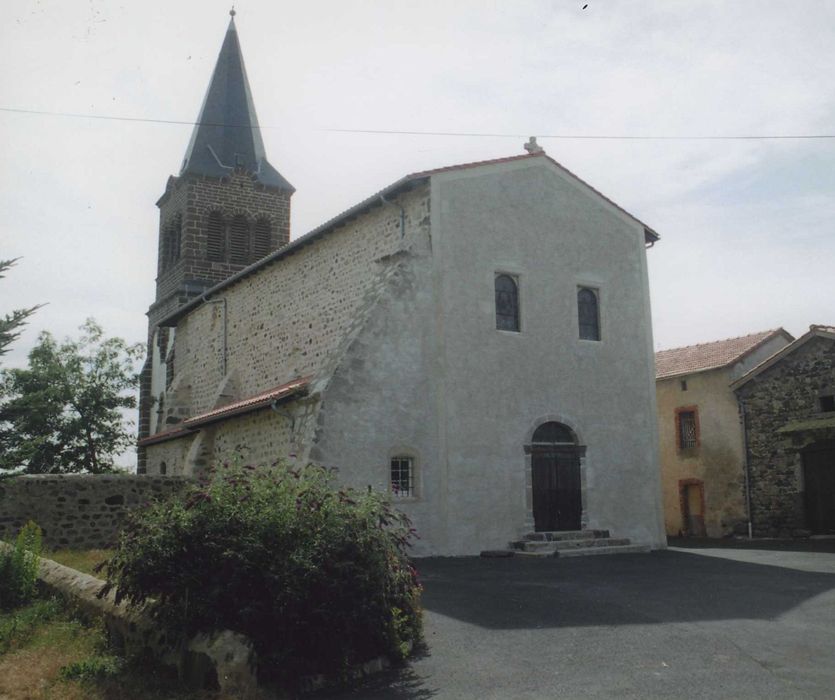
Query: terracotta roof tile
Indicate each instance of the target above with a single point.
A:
(697, 358)
(252, 403)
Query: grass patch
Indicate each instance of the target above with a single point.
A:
(46, 652)
(84, 560)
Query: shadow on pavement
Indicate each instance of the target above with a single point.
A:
(623, 589)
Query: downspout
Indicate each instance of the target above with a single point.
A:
(220, 301)
(402, 213)
(746, 466)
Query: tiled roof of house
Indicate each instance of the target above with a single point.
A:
(704, 356)
(815, 331)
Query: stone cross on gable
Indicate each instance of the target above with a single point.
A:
(533, 147)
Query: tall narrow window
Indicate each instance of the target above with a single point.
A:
(239, 241)
(687, 429)
(261, 239)
(216, 237)
(403, 477)
(507, 303)
(174, 240)
(588, 314)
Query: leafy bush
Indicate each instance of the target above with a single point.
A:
(318, 579)
(19, 568)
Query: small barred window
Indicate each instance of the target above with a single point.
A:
(688, 434)
(402, 477)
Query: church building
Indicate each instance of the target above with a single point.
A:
(475, 339)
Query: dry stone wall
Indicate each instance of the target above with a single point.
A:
(78, 511)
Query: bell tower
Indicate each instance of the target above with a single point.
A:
(227, 208)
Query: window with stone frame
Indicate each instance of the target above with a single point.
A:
(827, 403)
(507, 303)
(588, 313)
(402, 476)
(687, 428)
(173, 236)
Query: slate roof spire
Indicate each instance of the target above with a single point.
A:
(227, 134)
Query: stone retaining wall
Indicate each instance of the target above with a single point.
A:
(78, 511)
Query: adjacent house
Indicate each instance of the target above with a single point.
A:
(700, 435)
(788, 404)
(475, 339)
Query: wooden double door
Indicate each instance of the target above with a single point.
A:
(557, 502)
(819, 479)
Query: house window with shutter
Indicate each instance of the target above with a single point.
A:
(507, 303)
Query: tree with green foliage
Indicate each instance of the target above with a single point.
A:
(317, 577)
(11, 323)
(63, 413)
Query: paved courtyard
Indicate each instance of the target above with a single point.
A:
(697, 622)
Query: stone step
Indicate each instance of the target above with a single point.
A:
(539, 546)
(565, 535)
(592, 551)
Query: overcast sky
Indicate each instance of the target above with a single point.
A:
(747, 226)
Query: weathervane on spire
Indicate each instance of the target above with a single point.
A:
(232, 12)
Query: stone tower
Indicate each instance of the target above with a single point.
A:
(226, 209)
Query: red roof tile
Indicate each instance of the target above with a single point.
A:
(719, 353)
(253, 403)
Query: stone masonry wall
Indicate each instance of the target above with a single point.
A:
(287, 320)
(78, 511)
(194, 198)
(787, 391)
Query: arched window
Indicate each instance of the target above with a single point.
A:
(588, 314)
(163, 468)
(216, 237)
(553, 434)
(261, 239)
(239, 241)
(507, 303)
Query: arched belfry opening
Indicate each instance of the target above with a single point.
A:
(556, 488)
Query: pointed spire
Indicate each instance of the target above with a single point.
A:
(227, 134)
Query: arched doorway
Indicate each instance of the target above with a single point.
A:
(555, 478)
(819, 486)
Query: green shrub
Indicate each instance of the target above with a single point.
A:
(317, 578)
(94, 668)
(19, 568)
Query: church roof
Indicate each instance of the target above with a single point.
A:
(227, 134)
(402, 185)
(705, 356)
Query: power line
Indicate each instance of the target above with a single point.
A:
(393, 132)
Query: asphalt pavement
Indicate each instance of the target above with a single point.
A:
(700, 621)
